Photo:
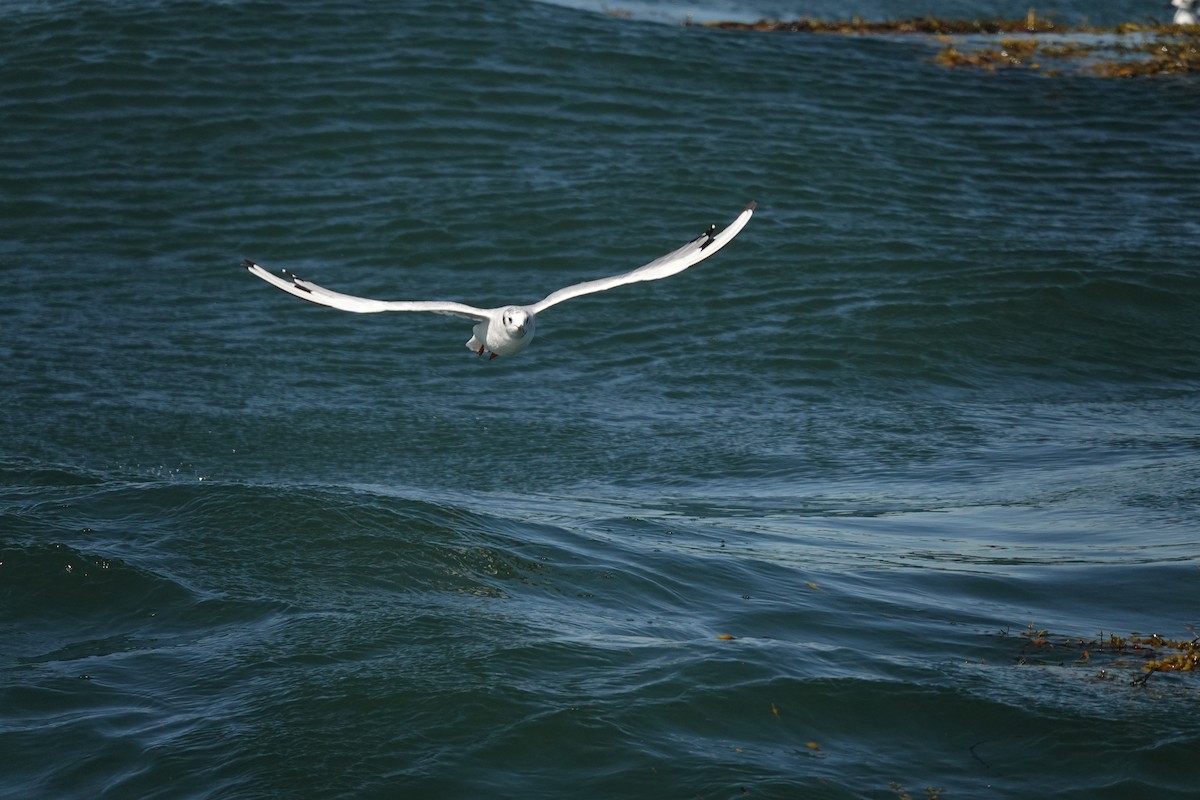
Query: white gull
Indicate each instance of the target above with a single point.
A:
(507, 330)
(1186, 13)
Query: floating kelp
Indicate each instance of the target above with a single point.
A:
(933, 26)
(1010, 53)
(1181, 55)
(931, 792)
(1146, 655)
(1110, 59)
(1128, 49)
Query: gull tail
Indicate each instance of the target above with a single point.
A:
(479, 348)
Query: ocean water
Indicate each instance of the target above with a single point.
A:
(847, 511)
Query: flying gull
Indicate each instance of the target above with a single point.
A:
(507, 330)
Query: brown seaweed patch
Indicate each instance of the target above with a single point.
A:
(1157, 57)
(1156, 48)
(1031, 23)
(934, 26)
(1146, 655)
(1011, 53)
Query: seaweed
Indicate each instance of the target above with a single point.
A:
(933, 26)
(1011, 53)
(1158, 48)
(1180, 55)
(1147, 655)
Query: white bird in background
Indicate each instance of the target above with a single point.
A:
(1184, 15)
(507, 330)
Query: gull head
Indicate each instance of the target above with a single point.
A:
(518, 323)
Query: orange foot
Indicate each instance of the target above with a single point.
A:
(479, 352)
(491, 356)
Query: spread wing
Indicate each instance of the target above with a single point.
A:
(689, 255)
(360, 305)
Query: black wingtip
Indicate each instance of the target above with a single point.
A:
(248, 264)
(287, 273)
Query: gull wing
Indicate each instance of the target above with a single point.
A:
(360, 305)
(689, 255)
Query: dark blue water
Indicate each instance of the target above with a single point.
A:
(922, 436)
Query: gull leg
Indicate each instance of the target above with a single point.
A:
(491, 356)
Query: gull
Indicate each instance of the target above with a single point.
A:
(1185, 15)
(507, 330)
